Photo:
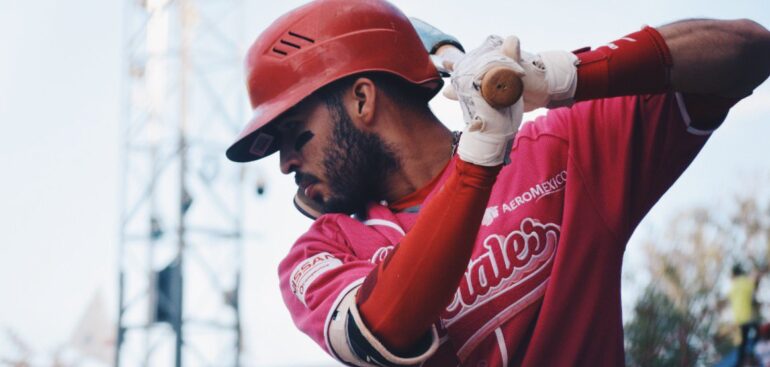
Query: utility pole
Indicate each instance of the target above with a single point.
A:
(181, 205)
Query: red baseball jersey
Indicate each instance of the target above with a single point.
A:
(542, 287)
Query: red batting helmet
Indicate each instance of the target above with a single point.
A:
(319, 43)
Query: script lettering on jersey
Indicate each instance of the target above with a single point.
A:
(380, 255)
(509, 260)
(308, 270)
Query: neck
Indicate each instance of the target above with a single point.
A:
(424, 147)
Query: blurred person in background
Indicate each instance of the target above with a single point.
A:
(745, 313)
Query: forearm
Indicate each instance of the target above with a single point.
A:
(406, 293)
(722, 58)
(728, 58)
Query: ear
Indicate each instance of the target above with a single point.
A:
(362, 102)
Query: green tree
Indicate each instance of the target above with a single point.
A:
(680, 318)
(658, 334)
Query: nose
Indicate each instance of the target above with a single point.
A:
(290, 160)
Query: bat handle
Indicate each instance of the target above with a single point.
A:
(501, 87)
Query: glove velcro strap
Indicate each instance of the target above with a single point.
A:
(485, 149)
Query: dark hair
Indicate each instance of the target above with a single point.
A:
(398, 89)
(738, 270)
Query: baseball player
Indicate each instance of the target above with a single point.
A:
(496, 246)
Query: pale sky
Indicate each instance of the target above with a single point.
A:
(60, 105)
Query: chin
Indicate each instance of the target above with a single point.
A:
(343, 205)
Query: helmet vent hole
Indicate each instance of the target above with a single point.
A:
(287, 43)
(305, 38)
(290, 43)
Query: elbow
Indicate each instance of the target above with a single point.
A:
(754, 51)
(756, 41)
(751, 29)
(760, 48)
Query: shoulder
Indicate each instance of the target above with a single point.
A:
(346, 237)
(324, 252)
(328, 227)
(326, 234)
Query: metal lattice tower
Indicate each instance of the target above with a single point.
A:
(181, 230)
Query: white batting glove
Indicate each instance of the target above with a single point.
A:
(489, 132)
(550, 79)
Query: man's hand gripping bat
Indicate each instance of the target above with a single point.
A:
(500, 87)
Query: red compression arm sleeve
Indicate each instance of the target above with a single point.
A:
(638, 63)
(402, 297)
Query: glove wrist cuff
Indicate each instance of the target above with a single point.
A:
(561, 77)
(485, 149)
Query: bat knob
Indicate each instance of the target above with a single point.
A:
(501, 87)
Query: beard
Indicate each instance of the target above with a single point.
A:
(357, 165)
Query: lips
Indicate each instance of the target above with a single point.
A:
(308, 185)
(310, 193)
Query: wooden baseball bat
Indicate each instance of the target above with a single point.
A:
(501, 87)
